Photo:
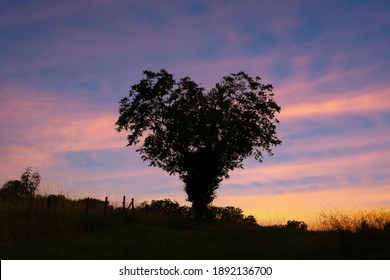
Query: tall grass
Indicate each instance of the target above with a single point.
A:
(31, 228)
(28, 217)
(355, 221)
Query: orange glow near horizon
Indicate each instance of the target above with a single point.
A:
(271, 209)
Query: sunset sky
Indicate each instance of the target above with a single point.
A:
(64, 66)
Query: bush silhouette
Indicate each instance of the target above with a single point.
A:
(296, 225)
(163, 207)
(167, 207)
(25, 187)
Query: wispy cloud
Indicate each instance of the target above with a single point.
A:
(37, 125)
(363, 101)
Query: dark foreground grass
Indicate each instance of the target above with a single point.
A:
(34, 229)
(145, 241)
(126, 237)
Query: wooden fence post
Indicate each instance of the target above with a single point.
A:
(105, 206)
(132, 206)
(123, 204)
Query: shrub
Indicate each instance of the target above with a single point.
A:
(163, 207)
(296, 225)
(25, 187)
(228, 214)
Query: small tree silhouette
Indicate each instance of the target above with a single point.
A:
(30, 181)
(25, 187)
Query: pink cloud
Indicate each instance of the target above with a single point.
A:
(49, 126)
(370, 137)
(361, 101)
(55, 122)
(37, 125)
(338, 169)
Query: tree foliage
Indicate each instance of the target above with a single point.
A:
(167, 207)
(296, 225)
(25, 187)
(164, 207)
(199, 135)
(230, 214)
(12, 189)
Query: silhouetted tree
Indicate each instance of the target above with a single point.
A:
(12, 189)
(30, 181)
(199, 135)
(25, 187)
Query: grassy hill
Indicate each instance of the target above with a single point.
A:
(30, 230)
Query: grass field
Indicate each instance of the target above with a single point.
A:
(29, 230)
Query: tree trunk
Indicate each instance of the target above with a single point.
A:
(201, 180)
(199, 209)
